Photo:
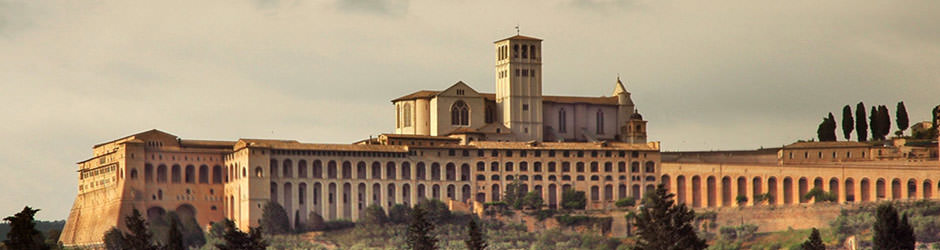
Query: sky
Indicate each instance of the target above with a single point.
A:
(707, 75)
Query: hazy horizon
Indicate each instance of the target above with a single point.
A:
(706, 75)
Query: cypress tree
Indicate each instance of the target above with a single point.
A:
(475, 241)
(814, 242)
(174, 238)
(874, 123)
(663, 225)
(419, 231)
(237, 240)
(905, 234)
(890, 231)
(274, 218)
(114, 239)
(861, 125)
(23, 233)
(848, 124)
(139, 236)
(885, 121)
(902, 120)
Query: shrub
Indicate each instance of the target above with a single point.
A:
(571, 199)
(373, 215)
(628, 201)
(274, 219)
(399, 214)
(315, 222)
(436, 210)
(339, 224)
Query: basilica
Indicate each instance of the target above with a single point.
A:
(464, 147)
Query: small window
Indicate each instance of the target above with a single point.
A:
(525, 107)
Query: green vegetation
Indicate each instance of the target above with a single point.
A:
(890, 230)
(420, 235)
(663, 225)
(571, 199)
(236, 239)
(861, 126)
(901, 119)
(827, 129)
(628, 201)
(475, 239)
(274, 219)
(848, 124)
(23, 233)
(820, 196)
(814, 242)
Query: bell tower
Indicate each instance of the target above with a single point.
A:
(519, 86)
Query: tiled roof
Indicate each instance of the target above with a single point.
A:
(294, 145)
(566, 145)
(518, 37)
(206, 143)
(828, 144)
(428, 137)
(603, 100)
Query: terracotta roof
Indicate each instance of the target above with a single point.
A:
(427, 137)
(465, 130)
(206, 143)
(602, 100)
(518, 37)
(567, 145)
(421, 94)
(828, 144)
(294, 145)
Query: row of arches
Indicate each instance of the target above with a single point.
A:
(336, 200)
(391, 170)
(537, 177)
(178, 174)
(724, 191)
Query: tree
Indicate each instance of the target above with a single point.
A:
(532, 200)
(814, 242)
(891, 232)
(275, 219)
(514, 194)
(874, 123)
(475, 239)
(902, 120)
(237, 240)
(315, 222)
(114, 239)
(139, 236)
(571, 199)
(419, 235)
(174, 239)
(827, 129)
(848, 124)
(399, 214)
(630, 217)
(741, 199)
(861, 125)
(663, 225)
(885, 120)
(435, 211)
(819, 195)
(373, 215)
(23, 233)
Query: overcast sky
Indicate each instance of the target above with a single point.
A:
(705, 74)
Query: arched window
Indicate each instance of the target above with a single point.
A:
(600, 122)
(406, 120)
(562, 126)
(460, 114)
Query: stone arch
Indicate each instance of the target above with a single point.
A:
(595, 193)
(406, 194)
(696, 191)
(880, 189)
(133, 173)
(494, 193)
(203, 174)
(317, 191)
(361, 170)
(834, 187)
(818, 183)
(317, 171)
(553, 195)
(451, 192)
(155, 213)
(287, 203)
(273, 168)
(850, 190)
(376, 194)
(927, 190)
(896, 189)
(726, 198)
(390, 193)
(148, 173)
(665, 180)
(772, 190)
(390, 170)
(421, 172)
(175, 174)
(347, 171)
(865, 187)
(464, 172)
(331, 171)
(331, 198)
(435, 171)
(216, 174)
(465, 193)
(636, 191)
(421, 192)
(608, 192)
(361, 201)
(347, 204)
(302, 173)
(741, 188)
(911, 189)
(680, 190)
(787, 190)
(756, 189)
(376, 171)
(436, 192)
(804, 188)
(288, 171)
(406, 170)
(301, 203)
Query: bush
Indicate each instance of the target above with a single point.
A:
(628, 201)
(532, 200)
(373, 215)
(571, 199)
(339, 224)
(543, 214)
(738, 233)
(315, 222)
(436, 210)
(603, 223)
(274, 219)
(399, 214)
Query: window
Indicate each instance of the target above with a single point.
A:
(525, 72)
(525, 51)
(406, 118)
(460, 114)
(561, 121)
(517, 72)
(515, 53)
(532, 72)
(532, 50)
(525, 107)
(600, 122)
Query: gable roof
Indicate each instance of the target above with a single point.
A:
(152, 131)
(518, 37)
(828, 144)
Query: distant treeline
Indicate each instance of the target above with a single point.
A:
(42, 226)
(877, 122)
